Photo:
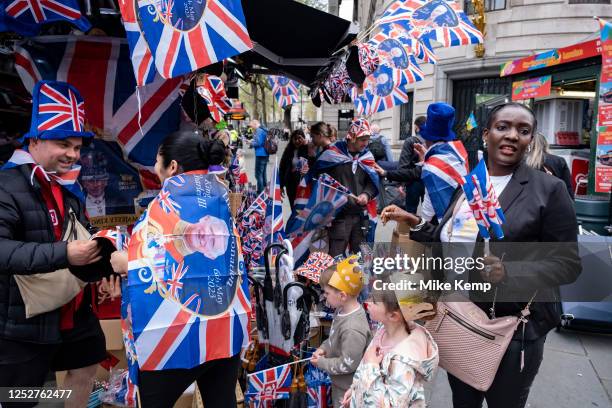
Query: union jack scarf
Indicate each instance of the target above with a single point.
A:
(67, 180)
(446, 165)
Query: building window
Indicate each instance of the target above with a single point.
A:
(589, 1)
(345, 117)
(490, 5)
(406, 118)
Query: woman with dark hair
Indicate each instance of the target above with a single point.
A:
(293, 164)
(537, 208)
(182, 254)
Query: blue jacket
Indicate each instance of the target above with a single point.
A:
(259, 138)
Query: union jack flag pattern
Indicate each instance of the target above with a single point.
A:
(437, 20)
(327, 198)
(108, 87)
(212, 91)
(273, 225)
(27, 16)
(483, 202)
(446, 165)
(386, 88)
(187, 283)
(264, 387)
(185, 35)
(284, 90)
(140, 54)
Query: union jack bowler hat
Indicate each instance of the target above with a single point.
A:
(58, 112)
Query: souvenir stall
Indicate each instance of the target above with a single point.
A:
(146, 69)
(568, 90)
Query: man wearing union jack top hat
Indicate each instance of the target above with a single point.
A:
(38, 196)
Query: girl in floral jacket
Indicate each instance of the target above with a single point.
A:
(400, 358)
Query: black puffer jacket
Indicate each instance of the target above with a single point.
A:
(27, 246)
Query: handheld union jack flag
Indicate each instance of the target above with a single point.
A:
(446, 165)
(327, 198)
(264, 387)
(186, 35)
(483, 202)
(27, 16)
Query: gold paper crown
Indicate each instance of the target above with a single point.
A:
(346, 278)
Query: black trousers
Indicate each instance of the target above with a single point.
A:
(346, 230)
(216, 380)
(510, 387)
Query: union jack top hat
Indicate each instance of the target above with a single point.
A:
(58, 112)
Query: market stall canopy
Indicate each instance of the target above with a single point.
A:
(293, 39)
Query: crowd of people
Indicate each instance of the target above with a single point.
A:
(38, 201)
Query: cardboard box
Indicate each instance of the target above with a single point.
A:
(112, 333)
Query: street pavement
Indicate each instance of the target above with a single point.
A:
(577, 368)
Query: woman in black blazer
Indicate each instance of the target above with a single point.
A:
(537, 208)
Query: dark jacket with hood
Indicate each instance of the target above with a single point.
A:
(28, 246)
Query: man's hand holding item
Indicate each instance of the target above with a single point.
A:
(82, 253)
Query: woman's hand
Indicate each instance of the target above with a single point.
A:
(119, 262)
(110, 287)
(494, 271)
(381, 172)
(316, 356)
(346, 400)
(373, 355)
(394, 213)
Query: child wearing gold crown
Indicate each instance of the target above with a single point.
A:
(402, 355)
(350, 333)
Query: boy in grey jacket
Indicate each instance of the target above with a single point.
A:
(350, 333)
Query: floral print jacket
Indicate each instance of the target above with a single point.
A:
(398, 380)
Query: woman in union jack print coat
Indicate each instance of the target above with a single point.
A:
(186, 299)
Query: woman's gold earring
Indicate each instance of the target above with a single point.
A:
(529, 148)
(484, 143)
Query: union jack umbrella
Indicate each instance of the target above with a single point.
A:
(483, 202)
(446, 165)
(438, 20)
(264, 387)
(27, 16)
(185, 35)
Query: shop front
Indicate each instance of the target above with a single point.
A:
(563, 87)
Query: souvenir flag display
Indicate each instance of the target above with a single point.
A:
(265, 387)
(183, 35)
(420, 48)
(285, 91)
(471, 122)
(26, 17)
(483, 202)
(435, 20)
(273, 225)
(251, 229)
(446, 165)
(187, 285)
(108, 87)
(212, 91)
(384, 89)
(140, 54)
(327, 198)
(398, 52)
